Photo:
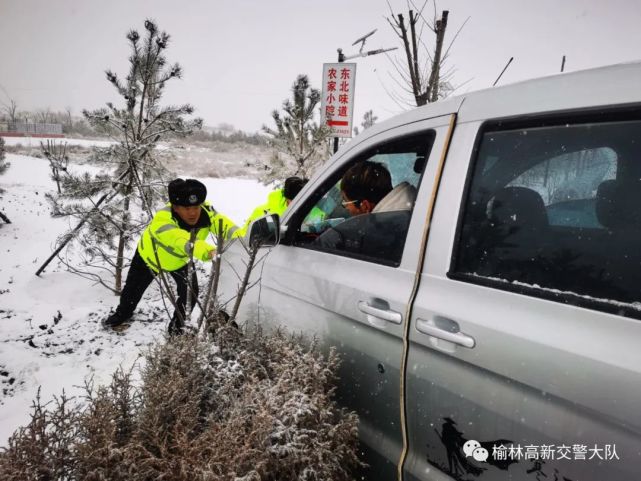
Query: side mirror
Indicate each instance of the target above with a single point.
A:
(265, 231)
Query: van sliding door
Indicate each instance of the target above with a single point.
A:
(524, 360)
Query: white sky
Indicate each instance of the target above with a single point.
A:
(240, 57)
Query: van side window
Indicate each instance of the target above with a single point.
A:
(367, 216)
(556, 208)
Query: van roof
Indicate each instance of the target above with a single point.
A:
(602, 86)
(617, 84)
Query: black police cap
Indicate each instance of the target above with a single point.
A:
(186, 192)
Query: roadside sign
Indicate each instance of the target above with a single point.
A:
(337, 103)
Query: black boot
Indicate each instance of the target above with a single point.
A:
(176, 327)
(114, 320)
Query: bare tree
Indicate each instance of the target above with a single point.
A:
(58, 159)
(422, 75)
(67, 120)
(11, 109)
(44, 116)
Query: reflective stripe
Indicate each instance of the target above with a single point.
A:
(169, 250)
(231, 231)
(152, 264)
(165, 228)
(165, 209)
(151, 260)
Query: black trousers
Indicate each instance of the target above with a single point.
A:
(138, 279)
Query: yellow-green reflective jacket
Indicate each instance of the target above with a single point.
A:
(170, 241)
(276, 204)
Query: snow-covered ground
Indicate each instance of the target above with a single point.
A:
(35, 141)
(50, 332)
(200, 158)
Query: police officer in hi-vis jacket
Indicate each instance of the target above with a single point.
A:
(278, 200)
(176, 234)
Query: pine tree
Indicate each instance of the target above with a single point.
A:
(3, 167)
(299, 143)
(369, 119)
(134, 177)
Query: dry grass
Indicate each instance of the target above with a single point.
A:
(239, 407)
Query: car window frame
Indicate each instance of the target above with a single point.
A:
(295, 220)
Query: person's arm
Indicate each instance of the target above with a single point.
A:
(230, 231)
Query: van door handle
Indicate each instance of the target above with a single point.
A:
(385, 314)
(433, 330)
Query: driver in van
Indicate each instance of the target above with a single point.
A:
(378, 213)
(363, 186)
(367, 187)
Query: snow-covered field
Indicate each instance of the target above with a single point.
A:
(35, 141)
(199, 158)
(50, 329)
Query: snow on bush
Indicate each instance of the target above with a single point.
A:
(3, 165)
(244, 407)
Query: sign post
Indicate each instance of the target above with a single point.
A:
(337, 106)
(337, 102)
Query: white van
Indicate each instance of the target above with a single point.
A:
(492, 330)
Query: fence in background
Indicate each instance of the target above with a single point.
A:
(21, 129)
